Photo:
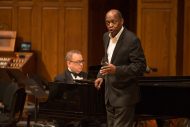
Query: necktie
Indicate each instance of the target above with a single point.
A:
(77, 75)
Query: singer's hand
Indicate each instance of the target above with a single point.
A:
(109, 69)
(98, 83)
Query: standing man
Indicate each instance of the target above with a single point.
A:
(125, 61)
(74, 71)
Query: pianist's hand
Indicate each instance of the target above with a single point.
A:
(98, 83)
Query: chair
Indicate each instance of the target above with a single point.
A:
(13, 100)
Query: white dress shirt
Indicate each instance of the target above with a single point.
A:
(112, 44)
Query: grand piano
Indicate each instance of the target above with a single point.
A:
(164, 96)
(161, 98)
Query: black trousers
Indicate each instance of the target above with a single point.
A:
(120, 116)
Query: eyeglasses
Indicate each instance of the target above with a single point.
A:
(78, 62)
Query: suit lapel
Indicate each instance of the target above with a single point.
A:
(118, 45)
(68, 75)
(106, 45)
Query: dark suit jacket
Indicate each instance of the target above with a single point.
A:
(121, 88)
(55, 91)
(67, 78)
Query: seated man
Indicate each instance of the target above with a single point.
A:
(74, 71)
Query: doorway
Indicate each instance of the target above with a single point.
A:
(97, 11)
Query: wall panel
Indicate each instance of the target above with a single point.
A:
(156, 46)
(25, 22)
(50, 39)
(156, 1)
(157, 26)
(73, 27)
(75, 30)
(6, 15)
(186, 53)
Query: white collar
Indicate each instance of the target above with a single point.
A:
(118, 34)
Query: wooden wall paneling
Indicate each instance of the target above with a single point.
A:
(6, 15)
(36, 39)
(85, 33)
(50, 34)
(72, 0)
(23, 18)
(75, 30)
(15, 16)
(25, 23)
(180, 37)
(96, 30)
(25, 0)
(156, 49)
(186, 53)
(156, 1)
(157, 31)
(61, 42)
(51, 0)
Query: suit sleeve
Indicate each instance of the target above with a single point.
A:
(137, 61)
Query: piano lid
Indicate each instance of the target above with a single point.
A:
(165, 81)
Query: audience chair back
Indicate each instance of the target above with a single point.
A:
(13, 101)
